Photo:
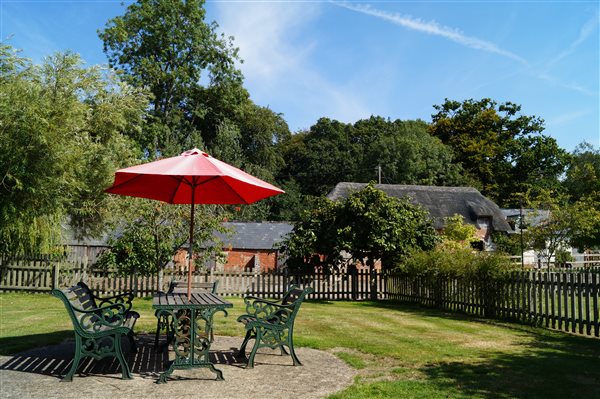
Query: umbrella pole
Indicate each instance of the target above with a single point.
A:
(191, 253)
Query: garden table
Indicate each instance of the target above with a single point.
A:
(192, 322)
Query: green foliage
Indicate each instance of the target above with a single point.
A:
(456, 262)
(502, 150)
(148, 233)
(167, 47)
(563, 257)
(583, 173)
(261, 130)
(62, 137)
(586, 235)
(332, 152)
(455, 229)
(507, 243)
(369, 225)
(567, 224)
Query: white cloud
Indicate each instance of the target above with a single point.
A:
(565, 118)
(433, 28)
(586, 31)
(276, 47)
(570, 86)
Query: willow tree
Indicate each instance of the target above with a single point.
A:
(61, 138)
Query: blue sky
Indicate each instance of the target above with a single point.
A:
(350, 60)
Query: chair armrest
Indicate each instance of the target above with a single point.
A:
(249, 299)
(125, 299)
(264, 310)
(93, 320)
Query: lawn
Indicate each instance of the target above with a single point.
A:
(400, 351)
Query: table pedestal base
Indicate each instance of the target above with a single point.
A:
(191, 332)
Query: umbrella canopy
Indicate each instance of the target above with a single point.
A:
(193, 174)
(194, 177)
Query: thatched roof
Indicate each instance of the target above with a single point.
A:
(441, 202)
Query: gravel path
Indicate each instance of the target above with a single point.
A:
(36, 374)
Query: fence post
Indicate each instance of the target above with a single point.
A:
(55, 274)
(354, 281)
(373, 278)
(84, 266)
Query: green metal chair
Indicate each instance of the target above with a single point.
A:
(98, 324)
(271, 323)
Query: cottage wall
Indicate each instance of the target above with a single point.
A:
(248, 260)
(237, 260)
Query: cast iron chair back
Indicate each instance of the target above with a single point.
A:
(271, 323)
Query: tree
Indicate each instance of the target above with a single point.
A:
(587, 234)
(167, 47)
(369, 225)
(406, 153)
(583, 173)
(148, 233)
(501, 149)
(567, 224)
(376, 226)
(322, 157)
(332, 152)
(261, 131)
(62, 137)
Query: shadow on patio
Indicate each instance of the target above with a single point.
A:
(147, 362)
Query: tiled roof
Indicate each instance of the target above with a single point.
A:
(255, 235)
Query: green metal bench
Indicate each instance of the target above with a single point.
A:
(98, 323)
(180, 287)
(271, 323)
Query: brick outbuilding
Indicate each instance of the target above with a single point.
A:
(252, 246)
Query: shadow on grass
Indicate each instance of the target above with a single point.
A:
(550, 367)
(56, 360)
(552, 364)
(12, 345)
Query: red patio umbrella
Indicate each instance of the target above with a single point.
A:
(194, 177)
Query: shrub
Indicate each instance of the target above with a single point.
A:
(448, 260)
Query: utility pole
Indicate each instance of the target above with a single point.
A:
(379, 173)
(521, 225)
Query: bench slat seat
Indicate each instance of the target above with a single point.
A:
(98, 324)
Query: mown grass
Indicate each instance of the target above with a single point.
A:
(399, 351)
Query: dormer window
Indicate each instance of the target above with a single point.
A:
(484, 222)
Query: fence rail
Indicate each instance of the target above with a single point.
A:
(43, 274)
(562, 300)
(567, 301)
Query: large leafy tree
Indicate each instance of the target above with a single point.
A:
(322, 157)
(332, 151)
(583, 173)
(169, 48)
(502, 150)
(62, 135)
(369, 225)
(198, 99)
(406, 153)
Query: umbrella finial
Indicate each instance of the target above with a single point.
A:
(193, 151)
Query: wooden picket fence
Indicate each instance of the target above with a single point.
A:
(562, 300)
(567, 301)
(28, 273)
